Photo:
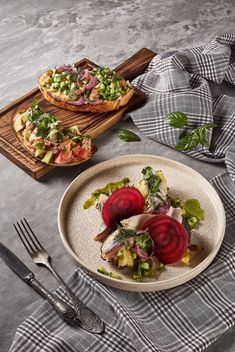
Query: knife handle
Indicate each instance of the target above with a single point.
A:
(65, 311)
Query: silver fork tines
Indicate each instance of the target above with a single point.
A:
(31, 243)
(40, 256)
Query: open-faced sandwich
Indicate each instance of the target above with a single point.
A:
(42, 135)
(90, 89)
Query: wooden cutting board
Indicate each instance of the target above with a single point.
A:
(89, 123)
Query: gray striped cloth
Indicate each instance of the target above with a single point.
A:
(194, 315)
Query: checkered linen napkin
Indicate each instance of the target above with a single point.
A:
(187, 81)
(194, 315)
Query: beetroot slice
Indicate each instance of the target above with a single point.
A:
(169, 236)
(122, 204)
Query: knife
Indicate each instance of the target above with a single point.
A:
(65, 311)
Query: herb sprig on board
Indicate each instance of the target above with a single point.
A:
(192, 140)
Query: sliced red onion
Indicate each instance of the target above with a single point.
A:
(85, 74)
(92, 83)
(78, 102)
(142, 254)
(65, 67)
(161, 210)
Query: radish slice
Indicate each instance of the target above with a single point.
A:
(123, 203)
(169, 236)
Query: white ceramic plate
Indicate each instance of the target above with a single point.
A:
(78, 226)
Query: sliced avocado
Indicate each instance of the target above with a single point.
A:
(32, 137)
(39, 152)
(48, 157)
(39, 145)
(24, 116)
(18, 124)
(27, 134)
(125, 259)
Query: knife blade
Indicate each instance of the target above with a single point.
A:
(15, 263)
(64, 309)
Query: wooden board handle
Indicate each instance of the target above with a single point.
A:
(136, 64)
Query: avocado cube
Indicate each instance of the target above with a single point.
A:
(27, 134)
(48, 157)
(39, 152)
(24, 117)
(18, 124)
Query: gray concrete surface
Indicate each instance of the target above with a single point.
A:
(35, 35)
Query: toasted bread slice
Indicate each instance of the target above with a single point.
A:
(63, 154)
(64, 101)
(105, 106)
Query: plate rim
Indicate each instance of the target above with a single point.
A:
(143, 286)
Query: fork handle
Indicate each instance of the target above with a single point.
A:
(65, 311)
(90, 320)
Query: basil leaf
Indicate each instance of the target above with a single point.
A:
(195, 138)
(209, 125)
(176, 119)
(128, 136)
(186, 143)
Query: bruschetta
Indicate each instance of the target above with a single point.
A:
(43, 135)
(88, 89)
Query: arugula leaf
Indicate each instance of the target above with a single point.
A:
(176, 119)
(195, 138)
(128, 136)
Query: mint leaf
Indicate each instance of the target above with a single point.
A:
(176, 119)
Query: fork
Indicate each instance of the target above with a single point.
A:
(40, 256)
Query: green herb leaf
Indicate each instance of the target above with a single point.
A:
(144, 241)
(148, 172)
(34, 104)
(124, 235)
(152, 179)
(195, 138)
(209, 125)
(176, 119)
(128, 136)
(188, 142)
